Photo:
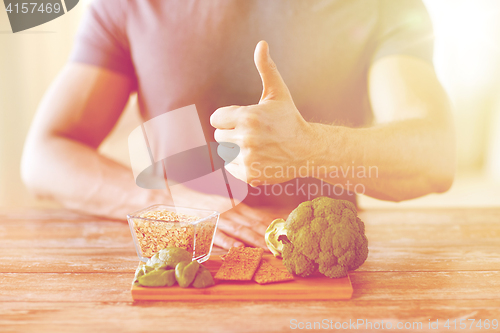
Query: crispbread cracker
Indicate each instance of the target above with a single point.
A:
(240, 264)
(267, 273)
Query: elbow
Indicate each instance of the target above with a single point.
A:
(435, 175)
(30, 181)
(432, 185)
(424, 184)
(443, 182)
(439, 178)
(442, 172)
(29, 172)
(32, 165)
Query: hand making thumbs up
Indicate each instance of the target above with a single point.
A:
(273, 137)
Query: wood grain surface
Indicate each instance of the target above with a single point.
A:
(65, 272)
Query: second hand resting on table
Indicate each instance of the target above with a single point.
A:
(413, 147)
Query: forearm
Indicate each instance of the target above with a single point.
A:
(81, 179)
(410, 156)
(395, 161)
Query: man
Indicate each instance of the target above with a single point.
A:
(345, 84)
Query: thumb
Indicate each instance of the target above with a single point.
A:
(273, 85)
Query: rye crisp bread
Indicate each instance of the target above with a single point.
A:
(240, 264)
(267, 273)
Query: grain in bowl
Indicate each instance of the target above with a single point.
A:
(160, 226)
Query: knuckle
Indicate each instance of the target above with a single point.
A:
(223, 240)
(248, 143)
(227, 242)
(272, 65)
(249, 119)
(238, 229)
(219, 239)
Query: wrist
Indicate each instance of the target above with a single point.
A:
(329, 148)
(306, 149)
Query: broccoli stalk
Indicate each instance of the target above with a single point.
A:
(274, 236)
(324, 234)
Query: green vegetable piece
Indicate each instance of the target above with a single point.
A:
(157, 278)
(203, 278)
(170, 277)
(155, 259)
(170, 257)
(185, 272)
(138, 272)
(322, 235)
(142, 270)
(146, 268)
(161, 266)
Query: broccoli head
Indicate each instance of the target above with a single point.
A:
(324, 234)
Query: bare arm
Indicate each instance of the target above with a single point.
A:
(411, 151)
(60, 159)
(412, 146)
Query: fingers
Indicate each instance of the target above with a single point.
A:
(226, 242)
(228, 144)
(229, 154)
(248, 219)
(226, 137)
(237, 170)
(263, 219)
(241, 232)
(273, 85)
(242, 224)
(251, 212)
(225, 118)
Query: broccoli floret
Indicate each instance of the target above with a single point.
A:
(297, 263)
(324, 234)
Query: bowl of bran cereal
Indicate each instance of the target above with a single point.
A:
(161, 226)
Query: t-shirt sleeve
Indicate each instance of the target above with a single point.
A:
(102, 38)
(404, 27)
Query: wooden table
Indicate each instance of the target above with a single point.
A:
(63, 272)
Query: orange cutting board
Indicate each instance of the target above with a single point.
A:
(310, 288)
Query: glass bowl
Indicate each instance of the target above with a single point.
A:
(161, 226)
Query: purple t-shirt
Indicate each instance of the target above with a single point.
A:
(201, 52)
